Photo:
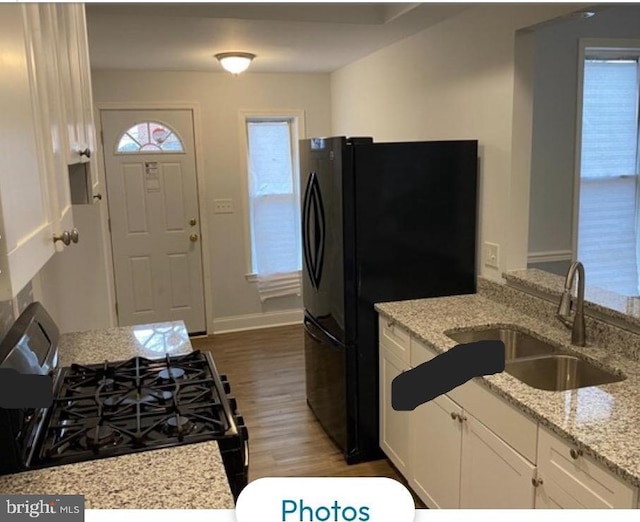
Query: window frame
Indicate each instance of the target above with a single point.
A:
(140, 151)
(599, 49)
(297, 122)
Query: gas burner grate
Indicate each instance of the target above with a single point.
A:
(115, 408)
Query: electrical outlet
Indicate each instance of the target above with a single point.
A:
(491, 254)
(223, 206)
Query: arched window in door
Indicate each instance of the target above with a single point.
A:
(149, 137)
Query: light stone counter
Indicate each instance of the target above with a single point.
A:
(602, 420)
(191, 476)
(599, 302)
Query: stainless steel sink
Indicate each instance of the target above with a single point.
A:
(538, 363)
(516, 343)
(559, 372)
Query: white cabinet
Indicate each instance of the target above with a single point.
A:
(450, 458)
(457, 462)
(493, 474)
(35, 196)
(573, 480)
(73, 59)
(394, 425)
(436, 443)
(470, 448)
(50, 95)
(79, 137)
(26, 221)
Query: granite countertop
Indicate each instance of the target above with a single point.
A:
(602, 420)
(598, 301)
(191, 476)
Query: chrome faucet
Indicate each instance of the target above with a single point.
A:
(564, 308)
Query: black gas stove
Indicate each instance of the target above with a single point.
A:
(116, 408)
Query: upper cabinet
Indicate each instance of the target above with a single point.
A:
(43, 74)
(73, 59)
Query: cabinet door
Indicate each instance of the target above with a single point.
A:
(494, 475)
(549, 495)
(67, 64)
(394, 425)
(86, 95)
(27, 154)
(57, 173)
(436, 438)
(573, 480)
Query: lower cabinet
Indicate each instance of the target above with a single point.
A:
(394, 425)
(450, 459)
(456, 462)
(493, 474)
(435, 445)
(568, 479)
(472, 449)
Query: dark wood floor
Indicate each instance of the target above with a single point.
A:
(266, 372)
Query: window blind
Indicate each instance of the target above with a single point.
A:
(607, 236)
(274, 208)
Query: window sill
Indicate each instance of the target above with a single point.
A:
(253, 277)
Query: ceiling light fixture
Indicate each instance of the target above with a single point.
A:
(235, 62)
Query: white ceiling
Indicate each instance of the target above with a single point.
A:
(291, 37)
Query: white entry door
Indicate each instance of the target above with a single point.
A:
(155, 224)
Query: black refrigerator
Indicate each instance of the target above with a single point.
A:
(380, 222)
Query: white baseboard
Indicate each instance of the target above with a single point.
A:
(550, 256)
(239, 323)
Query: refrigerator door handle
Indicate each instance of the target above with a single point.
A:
(312, 207)
(305, 226)
(334, 340)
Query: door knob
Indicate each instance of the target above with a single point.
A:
(86, 152)
(193, 238)
(75, 235)
(536, 482)
(193, 222)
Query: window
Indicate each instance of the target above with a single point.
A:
(608, 227)
(149, 136)
(274, 208)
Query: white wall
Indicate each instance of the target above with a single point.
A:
(554, 128)
(220, 97)
(454, 80)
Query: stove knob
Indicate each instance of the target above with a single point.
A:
(223, 377)
(233, 403)
(227, 387)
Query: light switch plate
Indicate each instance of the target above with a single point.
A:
(223, 206)
(491, 254)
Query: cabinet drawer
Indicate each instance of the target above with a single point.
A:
(394, 338)
(420, 353)
(586, 483)
(503, 419)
